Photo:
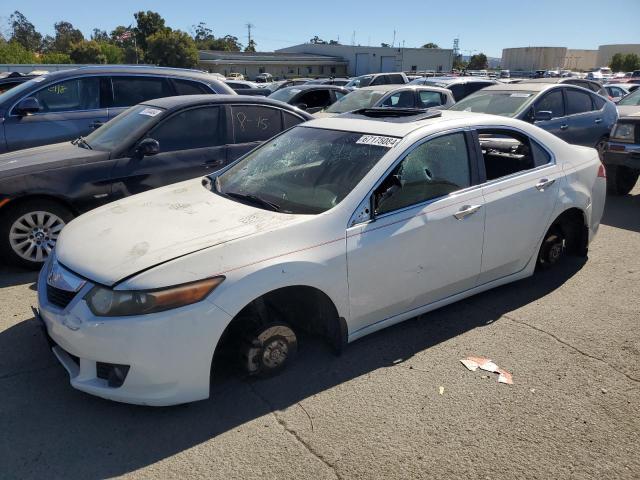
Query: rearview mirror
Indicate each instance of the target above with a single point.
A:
(28, 106)
(148, 146)
(543, 116)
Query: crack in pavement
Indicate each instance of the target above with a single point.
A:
(293, 433)
(567, 344)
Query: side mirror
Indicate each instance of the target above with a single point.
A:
(28, 106)
(393, 185)
(302, 106)
(148, 146)
(543, 116)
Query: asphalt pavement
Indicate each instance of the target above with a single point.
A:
(396, 404)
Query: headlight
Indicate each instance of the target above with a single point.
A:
(624, 132)
(105, 302)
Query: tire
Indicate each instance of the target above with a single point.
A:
(269, 350)
(552, 250)
(621, 179)
(28, 231)
(601, 146)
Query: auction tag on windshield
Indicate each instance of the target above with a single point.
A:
(378, 140)
(150, 112)
(520, 95)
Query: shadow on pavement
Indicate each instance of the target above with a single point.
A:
(50, 430)
(622, 212)
(11, 276)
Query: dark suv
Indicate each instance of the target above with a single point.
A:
(67, 104)
(156, 143)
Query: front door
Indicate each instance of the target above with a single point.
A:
(191, 145)
(559, 124)
(425, 243)
(68, 109)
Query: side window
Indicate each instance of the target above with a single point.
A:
(187, 87)
(551, 102)
(600, 102)
(70, 95)
(437, 167)
(578, 101)
(129, 91)
(404, 99)
(506, 152)
(475, 86)
(290, 120)
(458, 91)
(253, 123)
(316, 98)
(540, 155)
(339, 94)
(395, 78)
(189, 129)
(431, 99)
(379, 80)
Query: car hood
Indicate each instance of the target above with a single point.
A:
(628, 110)
(325, 115)
(39, 159)
(120, 239)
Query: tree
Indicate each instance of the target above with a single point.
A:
(317, 41)
(334, 42)
(24, 32)
(458, 63)
(478, 62)
(228, 43)
(385, 45)
(14, 52)
(112, 53)
(87, 51)
(66, 37)
(171, 48)
(53, 57)
(617, 62)
(631, 62)
(430, 45)
(148, 23)
(251, 46)
(100, 35)
(202, 34)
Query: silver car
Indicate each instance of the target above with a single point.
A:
(575, 114)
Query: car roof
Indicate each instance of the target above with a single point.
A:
(133, 70)
(386, 126)
(558, 80)
(523, 86)
(452, 80)
(405, 86)
(314, 86)
(181, 101)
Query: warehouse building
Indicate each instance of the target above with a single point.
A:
(280, 65)
(606, 52)
(548, 58)
(362, 60)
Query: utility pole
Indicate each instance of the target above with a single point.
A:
(393, 43)
(249, 27)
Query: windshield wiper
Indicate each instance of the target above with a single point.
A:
(81, 142)
(254, 199)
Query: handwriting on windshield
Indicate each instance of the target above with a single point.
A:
(262, 123)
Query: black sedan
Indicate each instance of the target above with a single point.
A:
(311, 98)
(155, 143)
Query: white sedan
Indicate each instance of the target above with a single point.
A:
(339, 227)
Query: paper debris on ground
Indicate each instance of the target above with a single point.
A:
(441, 390)
(473, 363)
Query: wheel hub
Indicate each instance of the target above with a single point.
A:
(275, 353)
(34, 234)
(555, 252)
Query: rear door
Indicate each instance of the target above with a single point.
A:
(129, 90)
(553, 101)
(68, 109)
(192, 143)
(520, 193)
(585, 122)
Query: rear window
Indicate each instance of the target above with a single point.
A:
(187, 87)
(255, 123)
(128, 91)
(578, 102)
(506, 103)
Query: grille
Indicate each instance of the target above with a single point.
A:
(59, 298)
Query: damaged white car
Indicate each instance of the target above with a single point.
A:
(338, 227)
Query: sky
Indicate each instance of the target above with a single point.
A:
(482, 26)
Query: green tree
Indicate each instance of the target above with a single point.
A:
(430, 45)
(87, 51)
(53, 57)
(228, 43)
(317, 40)
(171, 48)
(203, 35)
(617, 62)
(100, 35)
(112, 53)
(478, 62)
(24, 32)
(14, 52)
(631, 62)
(66, 37)
(251, 46)
(148, 23)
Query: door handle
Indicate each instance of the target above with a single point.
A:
(96, 124)
(466, 210)
(598, 120)
(564, 127)
(544, 183)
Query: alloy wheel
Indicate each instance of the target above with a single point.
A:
(33, 235)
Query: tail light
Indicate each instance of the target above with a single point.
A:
(602, 172)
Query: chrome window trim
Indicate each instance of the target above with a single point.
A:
(367, 200)
(119, 74)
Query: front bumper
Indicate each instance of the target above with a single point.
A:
(169, 353)
(625, 154)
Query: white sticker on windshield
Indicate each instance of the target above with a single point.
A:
(378, 140)
(520, 95)
(150, 112)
